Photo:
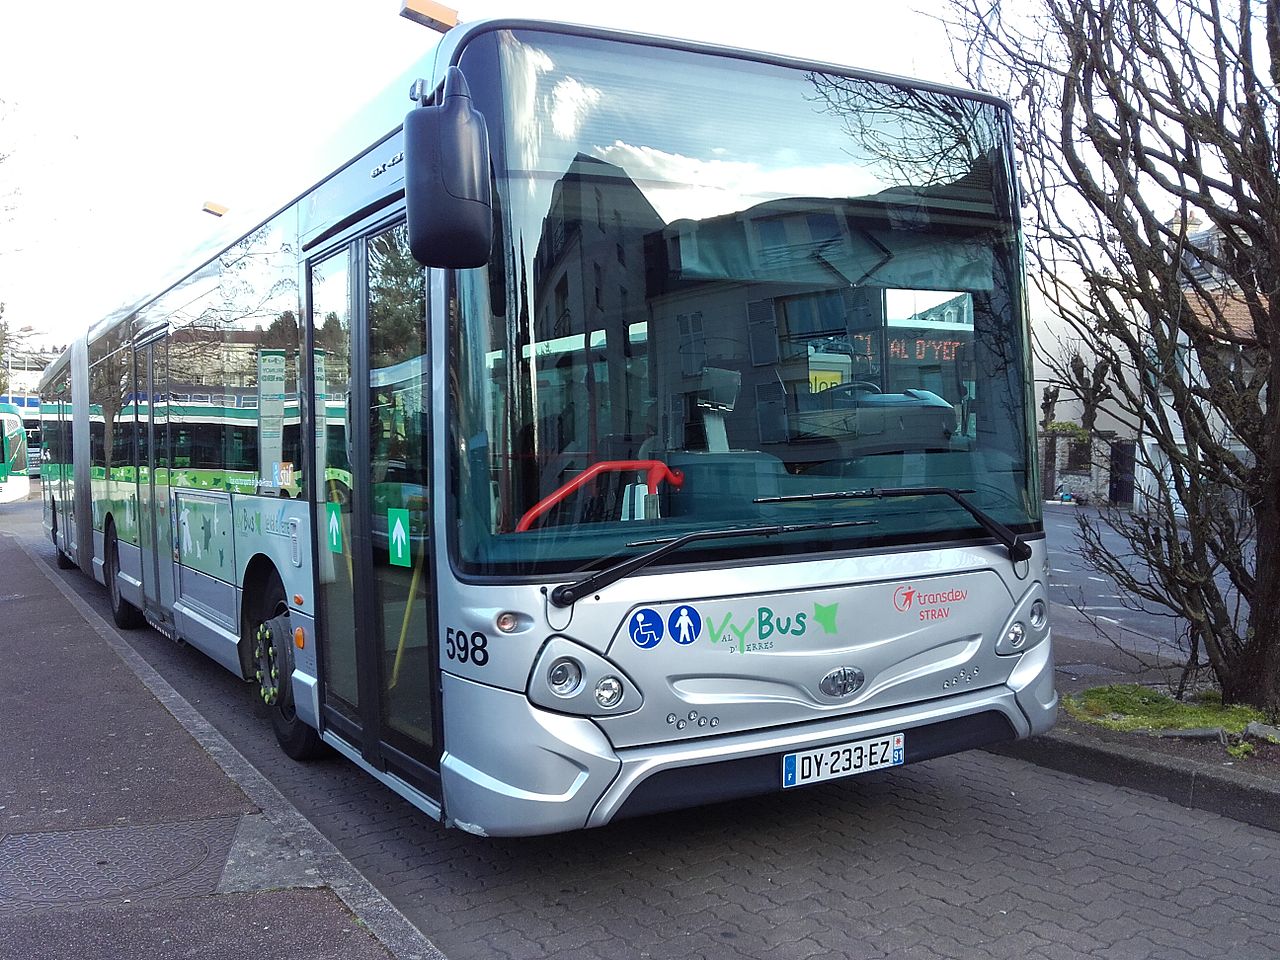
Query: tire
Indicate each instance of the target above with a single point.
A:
(270, 641)
(124, 613)
(64, 562)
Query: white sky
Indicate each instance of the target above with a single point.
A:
(121, 119)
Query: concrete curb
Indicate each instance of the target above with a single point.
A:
(328, 866)
(1226, 791)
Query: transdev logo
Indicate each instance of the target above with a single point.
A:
(932, 605)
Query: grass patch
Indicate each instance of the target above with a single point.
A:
(1130, 707)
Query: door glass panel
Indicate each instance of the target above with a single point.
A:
(160, 588)
(331, 316)
(142, 405)
(398, 463)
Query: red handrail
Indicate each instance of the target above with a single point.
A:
(654, 470)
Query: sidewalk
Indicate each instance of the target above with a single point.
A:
(130, 828)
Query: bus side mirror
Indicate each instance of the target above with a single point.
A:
(446, 180)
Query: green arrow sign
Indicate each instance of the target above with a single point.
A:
(333, 525)
(398, 536)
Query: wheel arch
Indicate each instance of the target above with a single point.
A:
(259, 574)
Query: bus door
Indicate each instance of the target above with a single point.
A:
(155, 534)
(379, 667)
(61, 472)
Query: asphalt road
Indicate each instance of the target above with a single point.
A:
(969, 856)
(1074, 583)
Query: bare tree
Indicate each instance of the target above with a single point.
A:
(1093, 386)
(1136, 119)
(1048, 404)
(5, 347)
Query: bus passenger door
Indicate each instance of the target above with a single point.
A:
(59, 463)
(155, 535)
(371, 387)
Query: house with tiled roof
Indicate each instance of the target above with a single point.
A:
(1227, 319)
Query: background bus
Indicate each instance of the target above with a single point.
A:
(14, 482)
(31, 423)
(692, 465)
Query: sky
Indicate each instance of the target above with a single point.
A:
(118, 121)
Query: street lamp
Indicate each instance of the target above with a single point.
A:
(430, 14)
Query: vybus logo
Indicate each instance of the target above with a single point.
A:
(907, 597)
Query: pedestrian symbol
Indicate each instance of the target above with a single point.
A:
(645, 628)
(334, 533)
(398, 537)
(685, 624)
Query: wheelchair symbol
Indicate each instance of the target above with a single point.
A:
(646, 628)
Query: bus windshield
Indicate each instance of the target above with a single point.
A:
(688, 326)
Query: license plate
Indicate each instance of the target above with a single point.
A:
(841, 760)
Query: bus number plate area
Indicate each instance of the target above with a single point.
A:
(841, 760)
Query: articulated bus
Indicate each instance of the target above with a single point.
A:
(640, 424)
(14, 482)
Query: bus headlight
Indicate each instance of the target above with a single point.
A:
(1028, 624)
(1039, 613)
(1015, 634)
(568, 677)
(565, 677)
(609, 692)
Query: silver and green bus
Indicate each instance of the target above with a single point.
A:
(14, 483)
(640, 424)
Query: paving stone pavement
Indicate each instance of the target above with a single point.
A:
(972, 856)
(128, 828)
(969, 856)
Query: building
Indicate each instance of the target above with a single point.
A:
(1219, 306)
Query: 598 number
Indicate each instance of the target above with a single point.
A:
(464, 648)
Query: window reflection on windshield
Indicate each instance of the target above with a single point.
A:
(841, 312)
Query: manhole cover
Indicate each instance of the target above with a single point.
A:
(44, 869)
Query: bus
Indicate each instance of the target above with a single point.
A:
(28, 407)
(14, 481)
(31, 423)
(639, 424)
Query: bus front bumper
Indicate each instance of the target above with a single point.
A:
(555, 772)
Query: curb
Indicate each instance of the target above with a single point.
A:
(1202, 786)
(391, 928)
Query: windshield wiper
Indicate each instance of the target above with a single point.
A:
(1018, 548)
(567, 594)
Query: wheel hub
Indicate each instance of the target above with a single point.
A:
(270, 659)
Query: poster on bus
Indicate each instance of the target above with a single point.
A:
(271, 420)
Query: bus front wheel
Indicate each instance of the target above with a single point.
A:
(271, 647)
(64, 562)
(124, 613)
